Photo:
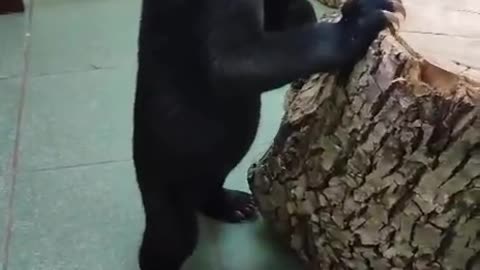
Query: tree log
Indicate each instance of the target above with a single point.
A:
(383, 172)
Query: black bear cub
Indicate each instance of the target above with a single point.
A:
(202, 67)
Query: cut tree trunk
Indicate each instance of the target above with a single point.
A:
(384, 172)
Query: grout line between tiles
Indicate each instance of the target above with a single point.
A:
(80, 165)
(66, 72)
(11, 174)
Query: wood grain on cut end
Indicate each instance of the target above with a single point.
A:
(445, 33)
(383, 173)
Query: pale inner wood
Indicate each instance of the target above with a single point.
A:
(446, 33)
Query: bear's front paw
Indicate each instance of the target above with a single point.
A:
(353, 10)
(362, 21)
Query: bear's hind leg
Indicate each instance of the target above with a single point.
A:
(171, 231)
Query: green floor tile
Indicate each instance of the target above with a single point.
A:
(254, 247)
(71, 35)
(9, 101)
(4, 199)
(249, 246)
(78, 118)
(87, 218)
(12, 32)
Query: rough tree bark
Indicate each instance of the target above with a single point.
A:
(384, 172)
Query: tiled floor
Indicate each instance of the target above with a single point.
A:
(68, 198)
